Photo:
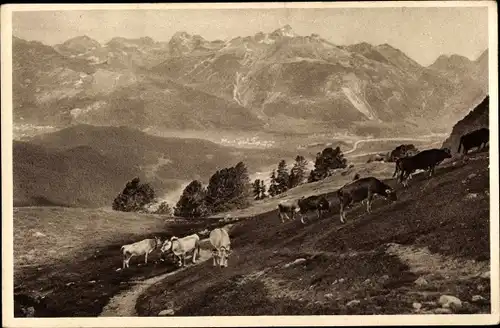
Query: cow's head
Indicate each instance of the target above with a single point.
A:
(221, 256)
(167, 246)
(158, 241)
(391, 194)
(224, 253)
(447, 152)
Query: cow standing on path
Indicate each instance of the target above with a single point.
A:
(425, 160)
(286, 208)
(478, 138)
(313, 203)
(181, 246)
(219, 238)
(143, 247)
(361, 189)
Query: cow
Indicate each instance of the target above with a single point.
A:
(425, 160)
(318, 203)
(478, 138)
(361, 189)
(286, 208)
(143, 247)
(181, 246)
(398, 170)
(219, 238)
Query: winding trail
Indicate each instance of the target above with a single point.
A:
(123, 304)
(424, 138)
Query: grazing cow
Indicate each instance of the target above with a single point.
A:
(143, 247)
(285, 208)
(361, 189)
(425, 160)
(219, 238)
(181, 246)
(318, 203)
(478, 138)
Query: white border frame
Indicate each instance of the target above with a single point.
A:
(243, 321)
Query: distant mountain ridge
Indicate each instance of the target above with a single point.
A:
(278, 81)
(477, 118)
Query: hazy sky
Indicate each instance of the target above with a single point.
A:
(422, 33)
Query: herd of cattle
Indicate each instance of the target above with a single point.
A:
(180, 247)
(358, 190)
(365, 189)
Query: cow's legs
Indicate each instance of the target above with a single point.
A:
(146, 258)
(195, 253)
(369, 200)
(302, 218)
(342, 209)
(214, 255)
(281, 217)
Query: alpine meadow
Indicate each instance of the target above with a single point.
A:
(262, 161)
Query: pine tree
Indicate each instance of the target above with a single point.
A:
(298, 172)
(134, 197)
(192, 201)
(256, 186)
(262, 190)
(326, 161)
(229, 188)
(282, 177)
(273, 187)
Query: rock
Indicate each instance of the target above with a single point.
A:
(353, 303)
(166, 312)
(485, 275)
(421, 282)
(385, 277)
(329, 295)
(119, 269)
(471, 196)
(442, 311)
(472, 175)
(335, 282)
(417, 306)
(448, 301)
(367, 281)
(297, 261)
(70, 283)
(478, 299)
(92, 282)
(341, 280)
(39, 234)
(480, 288)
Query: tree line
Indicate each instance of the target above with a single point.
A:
(228, 188)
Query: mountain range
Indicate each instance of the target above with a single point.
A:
(278, 81)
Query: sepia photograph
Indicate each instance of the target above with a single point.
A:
(202, 164)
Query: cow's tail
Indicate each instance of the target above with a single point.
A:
(196, 252)
(460, 144)
(396, 169)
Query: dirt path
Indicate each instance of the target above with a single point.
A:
(123, 304)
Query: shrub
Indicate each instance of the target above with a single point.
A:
(134, 197)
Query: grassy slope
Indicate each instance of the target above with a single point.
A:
(80, 253)
(433, 215)
(83, 156)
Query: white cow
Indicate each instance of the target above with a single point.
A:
(219, 238)
(143, 247)
(181, 246)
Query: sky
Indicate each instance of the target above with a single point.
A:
(422, 33)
